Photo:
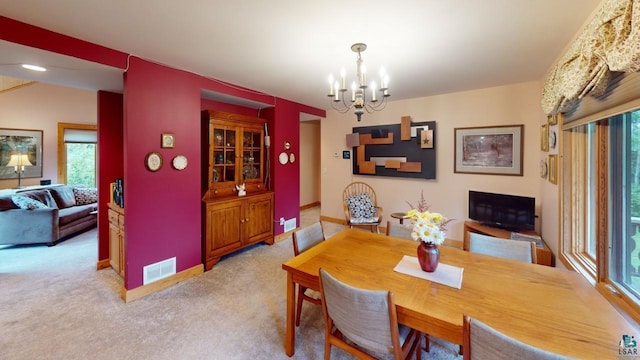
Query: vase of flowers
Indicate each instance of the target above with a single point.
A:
(429, 228)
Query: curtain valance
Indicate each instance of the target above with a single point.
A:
(610, 42)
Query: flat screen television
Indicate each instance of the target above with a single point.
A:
(510, 212)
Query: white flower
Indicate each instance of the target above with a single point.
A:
(428, 227)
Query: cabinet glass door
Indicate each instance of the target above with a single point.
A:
(224, 155)
(251, 154)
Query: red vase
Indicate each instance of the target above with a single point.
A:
(428, 256)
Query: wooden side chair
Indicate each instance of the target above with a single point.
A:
(481, 341)
(303, 240)
(509, 249)
(367, 319)
(360, 206)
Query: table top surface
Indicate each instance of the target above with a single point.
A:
(550, 308)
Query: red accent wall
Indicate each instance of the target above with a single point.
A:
(284, 125)
(110, 155)
(207, 104)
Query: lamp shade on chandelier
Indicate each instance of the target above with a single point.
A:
(360, 101)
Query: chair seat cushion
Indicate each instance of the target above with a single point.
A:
(362, 209)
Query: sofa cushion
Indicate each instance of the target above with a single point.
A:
(7, 204)
(26, 203)
(85, 196)
(40, 195)
(69, 215)
(64, 196)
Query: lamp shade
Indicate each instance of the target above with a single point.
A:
(19, 160)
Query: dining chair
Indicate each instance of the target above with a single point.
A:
(399, 230)
(480, 341)
(509, 249)
(303, 240)
(360, 206)
(364, 322)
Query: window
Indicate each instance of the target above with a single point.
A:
(77, 154)
(601, 203)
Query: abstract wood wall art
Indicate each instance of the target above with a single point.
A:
(397, 150)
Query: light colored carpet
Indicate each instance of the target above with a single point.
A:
(55, 305)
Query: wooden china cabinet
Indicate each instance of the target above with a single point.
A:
(236, 156)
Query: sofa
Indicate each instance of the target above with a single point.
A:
(46, 215)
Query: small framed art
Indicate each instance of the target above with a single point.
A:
(553, 168)
(168, 141)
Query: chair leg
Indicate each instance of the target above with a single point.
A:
(427, 343)
(301, 290)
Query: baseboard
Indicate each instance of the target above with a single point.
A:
(103, 264)
(309, 206)
(144, 290)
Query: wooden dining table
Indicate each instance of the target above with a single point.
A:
(550, 308)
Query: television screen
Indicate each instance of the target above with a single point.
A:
(501, 210)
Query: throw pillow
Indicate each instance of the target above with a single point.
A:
(362, 209)
(26, 203)
(85, 196)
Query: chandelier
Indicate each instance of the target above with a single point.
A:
(359, 100)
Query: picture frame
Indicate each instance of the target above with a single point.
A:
(544, 137)
(490, 150)
(552, 163)
(21, 142)
(168, 141)
(346, 154)
(552, 119)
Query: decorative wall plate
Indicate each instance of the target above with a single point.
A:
(552, 139)
(153, 161)
(179, 162)
(543, 169)
(292, 158)
(283, 158)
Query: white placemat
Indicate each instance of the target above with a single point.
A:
(445, 274)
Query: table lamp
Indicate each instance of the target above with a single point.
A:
(18, 162)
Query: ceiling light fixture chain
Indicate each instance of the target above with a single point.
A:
(359, 101)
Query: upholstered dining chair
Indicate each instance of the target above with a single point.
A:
(303, 240)
(509, 249)
(367, 319)
(360, 206)
(481, 341)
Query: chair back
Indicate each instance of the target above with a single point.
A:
(366, 317)
(399, 230)
(307, 238)
(481, 341)
(360, 204)
(509, 249)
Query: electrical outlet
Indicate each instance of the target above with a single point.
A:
(281, 221)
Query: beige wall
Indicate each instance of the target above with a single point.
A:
(448, 193)
(309, 162)
(41, 107)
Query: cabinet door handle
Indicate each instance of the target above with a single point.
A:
(241, 221)
(247, 219)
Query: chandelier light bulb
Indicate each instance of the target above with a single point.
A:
(373, 91)
(331, 85)
(343, 74)
(337, 93)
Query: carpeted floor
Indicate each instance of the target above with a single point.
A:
(55, 305)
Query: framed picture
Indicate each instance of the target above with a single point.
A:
(553, 168)
(167, 141)
(492, 150)
(346, 154)
(25, 146)
(552, 119)
(544, 137)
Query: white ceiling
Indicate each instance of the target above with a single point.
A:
(287, 48)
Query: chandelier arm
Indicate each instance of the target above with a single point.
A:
(338, 109)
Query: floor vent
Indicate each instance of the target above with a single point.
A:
(290, 225)
(159, 270)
